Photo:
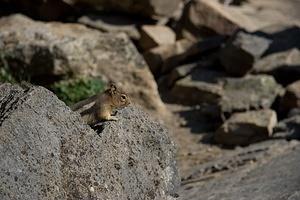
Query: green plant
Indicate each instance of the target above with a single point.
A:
(74, 90)
(5, 72)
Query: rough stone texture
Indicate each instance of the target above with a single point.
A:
(284, 66)
(159, 57)
(241, 52)
(201, 15)
(201, 86)
(113, 23)
(149, 8)
(181, 72)
(274, 178)
(291, 98)
(246, 128)
(165, 58)
(43, 50)
(48, 153)
(156, 35)
(242, 94)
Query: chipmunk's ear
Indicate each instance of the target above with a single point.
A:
(112, 88)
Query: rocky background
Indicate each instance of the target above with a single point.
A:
(222, 75)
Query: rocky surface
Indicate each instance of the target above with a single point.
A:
(201, 86)
(284, 66)
(113, 24)
(250, 92)
(48, 153)
(291, 98)
(246, 128)
(45, 50)
(271, 170)
(148, 8)
(200, 15)
(153, 36)
(241, 52)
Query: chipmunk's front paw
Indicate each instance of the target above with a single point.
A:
(113, 118)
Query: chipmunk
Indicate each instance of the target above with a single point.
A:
(100, 107)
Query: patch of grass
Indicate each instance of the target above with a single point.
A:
(5, 72)
(74, 90)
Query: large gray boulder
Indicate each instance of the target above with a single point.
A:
(249, 92)
(46, 51)
(47, 152)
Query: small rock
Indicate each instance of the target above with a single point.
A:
(201, 86)
(246, 128)
(284, 66)
(156, 35)
(291, 98)
(241, 52)
(241, 94)
(161, 56)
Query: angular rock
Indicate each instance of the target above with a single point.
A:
(241, 52)
(45, 50)
(164, 59)
(181, 72)
(156, 35)
(207, 17)
(157, 57)
(284, 66)
(48, 153)
(291, 98)
(246, 128)
(250, 92)
(113, 23)
(201, 86)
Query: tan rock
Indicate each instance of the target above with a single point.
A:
(156, 35)
(246, 128)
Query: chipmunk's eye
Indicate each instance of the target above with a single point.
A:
(123, 97)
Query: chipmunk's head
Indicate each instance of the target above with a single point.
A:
(119, 98)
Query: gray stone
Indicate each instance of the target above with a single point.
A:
(246, 128)
(241, 52)
(113, 23)
(201, 86)
(284, 66)
(250, 92)
(47, 152)
(45, 50)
